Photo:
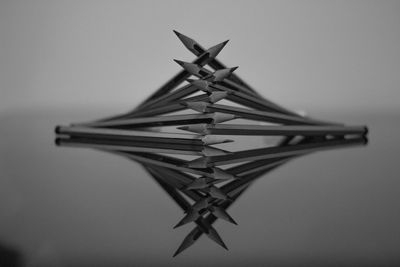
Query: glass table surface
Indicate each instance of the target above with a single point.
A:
(62, 206)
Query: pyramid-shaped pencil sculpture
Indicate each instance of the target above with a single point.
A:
(207, 111)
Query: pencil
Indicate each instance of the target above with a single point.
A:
(140, 136)
(277, 130)
(173, 163)
(257, 115)
(164, 109)
(162, 121)
(140, 146)
(273, 152)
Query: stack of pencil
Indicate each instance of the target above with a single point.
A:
(185, 160)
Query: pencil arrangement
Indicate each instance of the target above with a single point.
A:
(203, 179)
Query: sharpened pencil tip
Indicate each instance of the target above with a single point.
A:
(179, 62)
(222, 117)
(213, 140)
(177, 33)
(197, 106)
(185, 128)
(234, 68)
(200, 163)
(214, 51)
(195, 128)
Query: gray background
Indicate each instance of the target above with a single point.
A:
(70, 61)
(302, 54)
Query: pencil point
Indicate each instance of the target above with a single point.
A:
(199, 163)
(192, 215)
(187, 242)
(211, 140)
(222, 214)
(179, 62)
(216, 96)
(177, 33)
(221, 174)
(192, 68)
(199, 183)
(213, 235)
(197, 106)
(234, 68)
(221, 74)
(195, 128)
(215, 192)
(201, 84)
(222, 117)
(189, 43)
(215, 50)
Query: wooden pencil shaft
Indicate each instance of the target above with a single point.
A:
(260, 115)
(177, 79)
(254, 166)
(250, 100)
(181, 201)
(156, 121)
(171, 181)
(165, 161)
(97, 144)
(168, 108)
(235, 185)
(171, 96)
(175, 179)
(171, 138)
(130, 143)
(290, 130)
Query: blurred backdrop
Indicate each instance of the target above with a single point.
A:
(302, 54)
(72, 61)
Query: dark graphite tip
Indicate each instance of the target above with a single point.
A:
(214, 51)
(177, 33)
(180, 62)
(234, 68)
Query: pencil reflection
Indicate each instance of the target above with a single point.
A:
(203, 191)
